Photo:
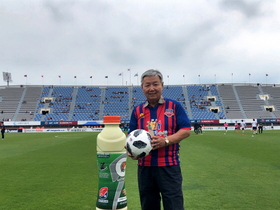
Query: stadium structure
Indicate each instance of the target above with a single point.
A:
(27, 105)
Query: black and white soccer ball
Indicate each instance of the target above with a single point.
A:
(138, 143)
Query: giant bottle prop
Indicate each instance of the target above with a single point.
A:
(111, 162)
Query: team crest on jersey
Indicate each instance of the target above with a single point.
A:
(141, 115)
(169, 112)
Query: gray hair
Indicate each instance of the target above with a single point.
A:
(152, 72)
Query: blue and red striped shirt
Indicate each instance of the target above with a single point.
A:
(164, 119)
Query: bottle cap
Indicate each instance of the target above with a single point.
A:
(111, 119)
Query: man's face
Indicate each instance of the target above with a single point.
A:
(152, 88)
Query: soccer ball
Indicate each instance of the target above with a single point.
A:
(138, 143)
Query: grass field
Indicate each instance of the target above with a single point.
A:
(51, 171)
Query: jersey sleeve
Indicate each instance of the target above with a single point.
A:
(183, 121)
(133, 121)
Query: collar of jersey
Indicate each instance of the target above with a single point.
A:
(160, 101)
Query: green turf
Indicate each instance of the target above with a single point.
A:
(50, 171)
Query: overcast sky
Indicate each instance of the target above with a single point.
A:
(223, 41)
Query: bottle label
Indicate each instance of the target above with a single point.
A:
(111, 174)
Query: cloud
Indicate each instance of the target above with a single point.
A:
(249, 9)
(60, 11)
(104, 38)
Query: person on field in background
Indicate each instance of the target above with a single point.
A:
(196, 127)
(260, 127)
(226, 127)
(3, 129)
(200, 129)
(243, 126)
(159, 173)
(254, 127)
(236, 126)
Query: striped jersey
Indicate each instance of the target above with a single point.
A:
(163, 120)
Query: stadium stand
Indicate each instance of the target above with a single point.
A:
(199, 103)
(273, 94)
(30, 99)
(87, 104)
(116, 102)
(56, 103)
(10, 98)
